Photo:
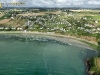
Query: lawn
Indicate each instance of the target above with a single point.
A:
(97, 17)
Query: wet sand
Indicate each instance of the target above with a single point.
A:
(62, 38)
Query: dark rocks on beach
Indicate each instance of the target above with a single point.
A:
(88, 65)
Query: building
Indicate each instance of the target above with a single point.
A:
(29, 23)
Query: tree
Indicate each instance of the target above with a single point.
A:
(25, 27)
(98, 37)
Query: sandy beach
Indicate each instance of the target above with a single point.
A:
(50, 35)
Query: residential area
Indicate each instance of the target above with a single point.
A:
(69, 22)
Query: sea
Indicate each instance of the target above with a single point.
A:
(26, 55)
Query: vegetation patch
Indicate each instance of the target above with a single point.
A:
(94, 17)
(5, 16)
(95, 67)
(98, 63)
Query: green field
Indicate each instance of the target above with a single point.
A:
(5, 16)
(94, 17)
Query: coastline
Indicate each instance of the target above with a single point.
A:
(58, 37)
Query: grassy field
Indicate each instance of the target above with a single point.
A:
(95, 14)
(94, 17)
(85, 10)
(40, 13)
(98, 63)
(5, 16)
(33, 14)
(4, 21)
(13, 23)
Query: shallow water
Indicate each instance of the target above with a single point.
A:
(21, 55)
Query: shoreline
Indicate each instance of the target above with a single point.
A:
(58, 37)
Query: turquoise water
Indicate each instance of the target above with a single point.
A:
(21, 55)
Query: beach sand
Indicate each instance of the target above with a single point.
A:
(50, 35)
